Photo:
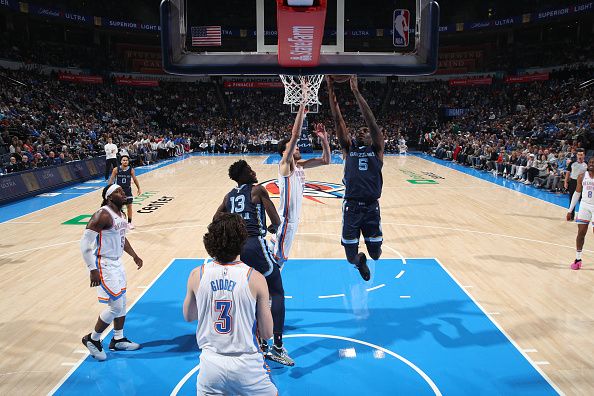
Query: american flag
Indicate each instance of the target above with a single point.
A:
(206, 36)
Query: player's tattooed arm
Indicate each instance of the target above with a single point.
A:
(222, 207)
(268, 206)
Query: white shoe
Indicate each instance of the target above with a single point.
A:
(123, 344)
(94, 347)
(131, 226)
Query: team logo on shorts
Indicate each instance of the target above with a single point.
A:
(313, 190)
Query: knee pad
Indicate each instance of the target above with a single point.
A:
(115, 309)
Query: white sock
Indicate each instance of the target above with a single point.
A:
(578, 254)
(118, 334)
(95, 336)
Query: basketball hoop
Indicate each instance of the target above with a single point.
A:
(294, 91)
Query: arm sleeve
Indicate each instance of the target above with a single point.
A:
(88, 244)
(574, 200)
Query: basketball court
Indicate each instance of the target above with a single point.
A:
(473, 292)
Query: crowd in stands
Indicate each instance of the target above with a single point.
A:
(46, 122)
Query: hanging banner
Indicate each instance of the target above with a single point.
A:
(136, 83)
(81, 78)
(526, 78)
(470, 81)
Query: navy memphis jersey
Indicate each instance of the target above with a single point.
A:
(124, 178)
(362, 174)
(239, 200)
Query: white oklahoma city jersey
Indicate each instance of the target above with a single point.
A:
(291, 194)
(588, 189)
(110, 242)
(226, 309)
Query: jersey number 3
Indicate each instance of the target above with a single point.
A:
(224, 324)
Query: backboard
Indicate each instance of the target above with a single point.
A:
(239, 37)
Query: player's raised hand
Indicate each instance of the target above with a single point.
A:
(320, 131)
(354, 83)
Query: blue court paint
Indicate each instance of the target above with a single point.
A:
(556, 199)
(275, 158)
(365, 343)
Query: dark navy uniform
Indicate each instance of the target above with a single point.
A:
(124, 180)
(255, 252)
(363, 187)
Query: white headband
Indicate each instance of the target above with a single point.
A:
(111, 189)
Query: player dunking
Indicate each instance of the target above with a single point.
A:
(585, 187)
(226, 297)
(363, 156)
(250, 201)
(123, 176)
(291, 182)
(102, 246)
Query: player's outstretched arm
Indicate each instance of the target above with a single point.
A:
(339, 124)
(269, 207)
(285, 162)
(576, 196)
(190, 310)
(259, 290)
(376, 134)
(325, 158)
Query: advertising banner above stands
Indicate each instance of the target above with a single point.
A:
(253, 84)
(460, 82)
(136, 83)
(81, 78)
(535, 16)
(527, 78)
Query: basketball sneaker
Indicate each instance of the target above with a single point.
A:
(130, 226)
(363, 268)
(94, 347)
(280, 356)
(123, 344)
(577, 264)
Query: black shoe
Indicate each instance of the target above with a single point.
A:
(363, 268)
(123, 344)
(94, 347)
(280, 356)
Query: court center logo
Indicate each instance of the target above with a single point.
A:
(314, 190)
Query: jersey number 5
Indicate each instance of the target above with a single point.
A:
(224, 324)
(362, 164)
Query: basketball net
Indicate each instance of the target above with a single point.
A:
(298, 86)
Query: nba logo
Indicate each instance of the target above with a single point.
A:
(401, 23)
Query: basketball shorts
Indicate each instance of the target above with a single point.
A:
(246, 374)
(256, 253)
(129, 196)
(113, 280)
(284, 240)
(584, 216)
(361, 218)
